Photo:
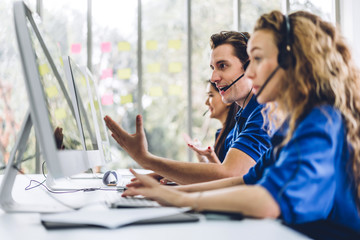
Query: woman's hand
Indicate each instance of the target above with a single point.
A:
(208, 153)
(136, 183)
(204, 155)
(151, 188)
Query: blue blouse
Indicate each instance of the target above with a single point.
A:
(310, 177)
(250, 135)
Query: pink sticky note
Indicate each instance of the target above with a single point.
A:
(107, 99)
(76, 48)
(107, 73)
(106, 47)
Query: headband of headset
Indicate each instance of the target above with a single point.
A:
(285, 55)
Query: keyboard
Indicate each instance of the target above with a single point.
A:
(116, 201)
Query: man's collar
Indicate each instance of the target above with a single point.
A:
(250, 107)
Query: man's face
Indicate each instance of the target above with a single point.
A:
(226, 68)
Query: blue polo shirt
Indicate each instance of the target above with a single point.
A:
(310, 177)
(227, 144)
(250, 134)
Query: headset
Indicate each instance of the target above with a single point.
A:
(285, 59)
(285, 56)
(246, 64)
(246, 39)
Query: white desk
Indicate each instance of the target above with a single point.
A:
(19, 226)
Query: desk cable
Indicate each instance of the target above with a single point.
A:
(49, 191)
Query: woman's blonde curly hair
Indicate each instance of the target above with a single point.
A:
(322, 71)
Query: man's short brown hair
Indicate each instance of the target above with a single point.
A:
(236, 39)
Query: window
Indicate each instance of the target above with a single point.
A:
(140, 67)
(65, 21)
(115, 65)
(323, 8)
(13, 103)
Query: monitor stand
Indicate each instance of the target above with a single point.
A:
(84, 182)
(7, 203)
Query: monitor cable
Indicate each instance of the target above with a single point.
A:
(50, 192)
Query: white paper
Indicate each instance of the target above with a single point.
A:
(110, 218)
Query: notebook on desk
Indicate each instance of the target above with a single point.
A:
(115, 218)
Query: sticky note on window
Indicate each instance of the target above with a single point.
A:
(174, 44)
(153, 68)
(105, 47)
(51, 91)
(175, 90)
(60, 113)
(88, 107)
(83, 81)
(107, 99)
(75, 48)
(96, 105)
(44, 69)
(156, 91)
(61, 61)
(175, 67)
(107, 73)
(126, 99)
(124, 73)
(124, 46)
(151, 45)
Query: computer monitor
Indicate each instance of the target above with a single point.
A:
(98, 115)
(51, 113)
(50, 104)
(88, 112)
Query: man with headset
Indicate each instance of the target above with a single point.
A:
(228, 63)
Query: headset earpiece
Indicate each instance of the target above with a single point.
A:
(285, 56)
(246, 64)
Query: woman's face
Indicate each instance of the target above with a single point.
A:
(263, 54)
(218, 109)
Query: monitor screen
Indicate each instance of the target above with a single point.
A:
(86, 112)
(82, 101)
(51, 110)
(99, 116)
(60, 111)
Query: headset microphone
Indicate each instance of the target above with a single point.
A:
(227, 87)
(267, 81)
(285, 57)
(205, 112)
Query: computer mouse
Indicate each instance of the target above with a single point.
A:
(110, 178)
